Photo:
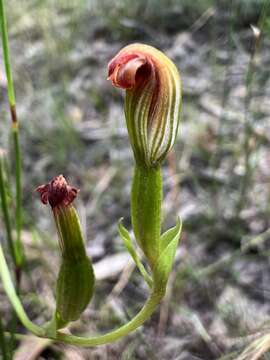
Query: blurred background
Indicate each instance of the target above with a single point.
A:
(216, 178)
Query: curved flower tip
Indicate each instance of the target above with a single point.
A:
(57, 192)
(153, 99)
(122, 70)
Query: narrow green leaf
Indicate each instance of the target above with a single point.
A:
(164, 263)
(18, 247)
(124, 234)
(167, 237)
(5, 210)
(5, 45)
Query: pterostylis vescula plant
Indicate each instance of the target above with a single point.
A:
(152, 111)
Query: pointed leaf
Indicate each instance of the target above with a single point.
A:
(168, 236)
(124, 234)
(164, 263)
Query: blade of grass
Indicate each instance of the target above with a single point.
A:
(248, 124)
(4, 205)
(3, 342)
(248, 130)
(18, 244)
(15, 135)
(15, 246)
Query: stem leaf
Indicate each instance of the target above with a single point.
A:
(124, 234)
(164, 264)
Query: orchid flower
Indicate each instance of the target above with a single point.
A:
(152, 110)
(153, 100)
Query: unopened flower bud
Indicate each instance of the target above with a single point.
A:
(153, 100)
(75, 282)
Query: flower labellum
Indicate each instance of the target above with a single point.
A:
(153, 100)
(57, 192)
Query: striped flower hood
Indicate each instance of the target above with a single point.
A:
(153, 100)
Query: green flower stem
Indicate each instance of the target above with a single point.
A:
(146, 197)
(14, 299)
(15, 133)
(124, 330)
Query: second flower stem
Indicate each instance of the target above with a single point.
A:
(114, 335)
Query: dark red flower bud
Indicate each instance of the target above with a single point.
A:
(57, 192)
(75, 283)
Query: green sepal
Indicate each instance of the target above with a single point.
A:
(124, 234)
(75, 287)
(76, 280)
(168, 245)
(70, 235)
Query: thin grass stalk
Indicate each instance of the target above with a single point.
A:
(7, 223)
(248, 130)
(226, 91)
(10, 290)
(3, 342)
(15, 135)
(14, 246)
(19, 248)
(247, 127)
(214, 160)
(6, 216)
(13, 329)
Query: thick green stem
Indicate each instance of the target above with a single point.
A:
(146, 197)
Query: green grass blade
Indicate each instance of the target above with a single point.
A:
(15, 132)
(18, 243)
(11, 94)
(3, 342)
(4, 206)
